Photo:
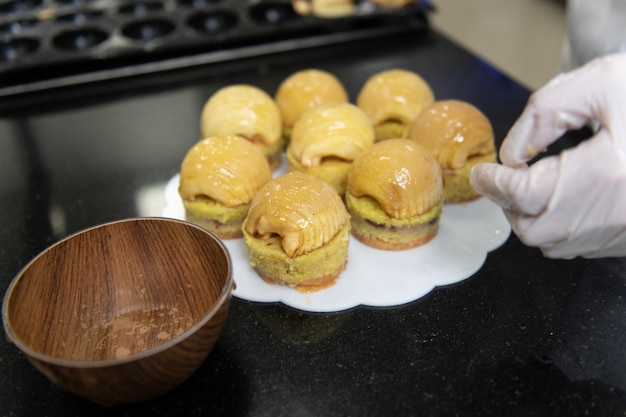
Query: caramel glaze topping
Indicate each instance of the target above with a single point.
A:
(339, 130)
(401, 175)
(305, 90)
(227, 169)
(394, 94)
(304, 211)
(242, 110)
(454, 131)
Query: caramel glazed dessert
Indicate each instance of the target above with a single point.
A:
(297, 232)
(392, 99)
(219, 176)
(396, 205)
(326, 140)
(460, 136)
(249, 112)
(304, 90)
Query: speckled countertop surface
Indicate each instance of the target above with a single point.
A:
(523, 336)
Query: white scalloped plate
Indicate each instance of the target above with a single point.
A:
(373, 277)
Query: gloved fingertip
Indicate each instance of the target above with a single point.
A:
(509, 159)
(478, 174)
(484, 177)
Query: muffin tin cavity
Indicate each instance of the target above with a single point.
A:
(16, 49)
(79, 39)
(272, 13)
(213, 22)
(197, 4)
(17, 6)
(107, 35)
(80, 17)
(141, 8)
(148, 29)
(75, 2)
(15, 27)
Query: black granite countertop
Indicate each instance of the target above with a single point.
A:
(524, 336)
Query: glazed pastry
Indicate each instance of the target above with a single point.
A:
(326, 140)
(324, 8)
(395, 195)
(394, 3)
(460, 136)
(297, 232)
(392, 99)
(218, 178)
(246, 111)
(304, 90)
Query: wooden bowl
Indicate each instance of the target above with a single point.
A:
(122, 312)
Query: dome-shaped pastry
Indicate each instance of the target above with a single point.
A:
(304, 90)
(219, 176)
(326, 140)
(395, 195)
(392, 99)
(246, 111)
(460, 136)
(394, 3)
(324, 8)
(297, 232)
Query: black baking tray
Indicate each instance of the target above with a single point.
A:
(53, 43)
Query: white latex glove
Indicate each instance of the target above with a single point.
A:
(573, 204)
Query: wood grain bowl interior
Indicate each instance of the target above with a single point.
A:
(103, 299)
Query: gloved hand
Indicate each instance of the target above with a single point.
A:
(573, 204)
